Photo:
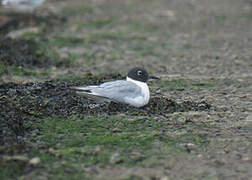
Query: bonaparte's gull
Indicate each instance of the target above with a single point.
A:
(133, 91)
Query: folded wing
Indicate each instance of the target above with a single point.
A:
(116, 91)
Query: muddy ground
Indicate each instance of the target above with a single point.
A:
(197, 125)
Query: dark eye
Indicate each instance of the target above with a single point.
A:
(139, 73)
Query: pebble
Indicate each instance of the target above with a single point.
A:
(34, 161)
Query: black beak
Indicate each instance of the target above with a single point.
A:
(154, 78)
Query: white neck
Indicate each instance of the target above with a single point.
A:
(144, 88)
(135, 81)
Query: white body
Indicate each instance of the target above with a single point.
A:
(132, 92)
(140, 100)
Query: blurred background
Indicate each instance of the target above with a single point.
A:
(195, 37)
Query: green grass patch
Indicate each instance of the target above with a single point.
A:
(246, 16)
(68, 78)
(77, 10)
(94, 140)
(174, 84)
(99, 23)
(142, 27)
(43, 48)
(221, 17)
(93, 131)
(65, 41)
(62, 168)
(95, 37)
(3, 69)
(202, 85)
(191, 137)
(33, 35)
(20, 71)
(143, 49)
(66, 146)
(180, 84)
(113, 36)
(48, 48)
(187, 46)
(10, 170)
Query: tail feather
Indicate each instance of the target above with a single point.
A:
(76, 88)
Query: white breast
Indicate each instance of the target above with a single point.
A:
(141, 100)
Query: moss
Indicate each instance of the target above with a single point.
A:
(65, 41)
(3, 69)
(247, 15)
(114, 36)
(133, 177)
(203, 85)
(143, 49)
(10, 169)
(221, 17)
(93, 131)
(99, 23)
(32, 35)
(187, 46)
(19, 71)
(77, 10)
(46, 48)
(95, 139)
(181, 84)
(97, 37)
(192, 137)
(68, 129)
(21, 52)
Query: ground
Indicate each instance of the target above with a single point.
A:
(198, 124)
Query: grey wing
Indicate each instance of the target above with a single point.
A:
(117, 90)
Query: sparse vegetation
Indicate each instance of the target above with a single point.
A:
(197, 124)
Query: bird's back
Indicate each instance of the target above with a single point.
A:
(117, 91)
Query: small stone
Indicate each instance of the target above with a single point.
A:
(97, 149)
(247, 159)
(15, 158)
(115, 158)
(34, 161)
(167, 13)
(116, 130)
(241, 169)
(164, 178)
(200, 155)
(22, 32)
(53, 68)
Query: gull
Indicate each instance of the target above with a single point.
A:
(133, 91)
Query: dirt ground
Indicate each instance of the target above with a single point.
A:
(197, 125)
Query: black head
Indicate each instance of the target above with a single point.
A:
(139, 74)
